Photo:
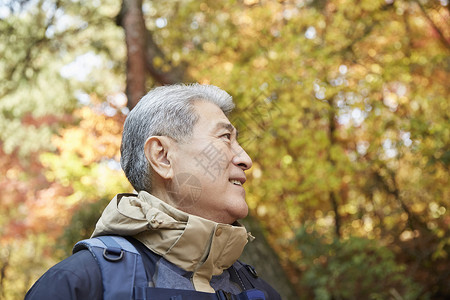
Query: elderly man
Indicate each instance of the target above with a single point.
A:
(178, 238)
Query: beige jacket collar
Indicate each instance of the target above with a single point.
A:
(194, 244)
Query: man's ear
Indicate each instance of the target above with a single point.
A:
(157, 150)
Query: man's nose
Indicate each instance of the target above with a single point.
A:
(241, 158)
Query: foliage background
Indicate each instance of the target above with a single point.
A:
(343, 106)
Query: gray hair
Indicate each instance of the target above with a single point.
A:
(164, 111)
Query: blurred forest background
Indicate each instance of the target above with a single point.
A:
(343, 106)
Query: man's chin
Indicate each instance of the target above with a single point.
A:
(242, 213)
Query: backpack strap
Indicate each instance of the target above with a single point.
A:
(115, 255)
(149, 258)
(247, 276)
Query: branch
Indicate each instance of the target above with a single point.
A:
(442, 38)
(153, 55)
(393, 190)
(31, 52)
(367, 30)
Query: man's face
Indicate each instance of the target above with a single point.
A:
(209, 169)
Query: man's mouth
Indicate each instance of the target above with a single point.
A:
(235, 182)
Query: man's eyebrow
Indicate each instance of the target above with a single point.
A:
(228, 126)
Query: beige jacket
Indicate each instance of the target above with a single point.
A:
(192, 243)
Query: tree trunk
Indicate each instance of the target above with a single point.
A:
(132, 20)
(333, 195)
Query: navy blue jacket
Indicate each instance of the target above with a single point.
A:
(79, 277)
(76, 277)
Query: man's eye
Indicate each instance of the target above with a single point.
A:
(226, 135)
